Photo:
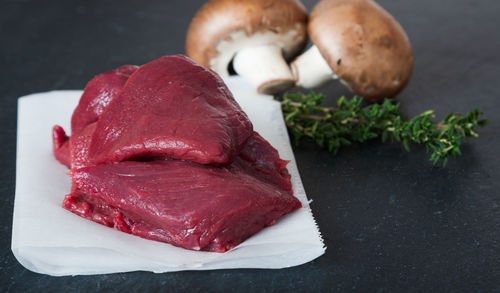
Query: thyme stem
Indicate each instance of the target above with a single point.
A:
(349, 121)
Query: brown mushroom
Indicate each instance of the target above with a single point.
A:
(257, 35)
(359, 43)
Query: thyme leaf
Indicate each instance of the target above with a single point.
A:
(350, 121)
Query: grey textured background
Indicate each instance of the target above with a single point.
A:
(391, 221)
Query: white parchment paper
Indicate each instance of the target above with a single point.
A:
(50, 240)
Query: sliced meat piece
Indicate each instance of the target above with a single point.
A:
(260, 159)
(178, 114)
(186, 204)
(98, 93)
(172, 108)
(60, 146)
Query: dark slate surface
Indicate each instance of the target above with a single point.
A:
(391, 221)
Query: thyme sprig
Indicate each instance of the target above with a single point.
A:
(350, 121)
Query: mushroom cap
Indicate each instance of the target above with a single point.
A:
(364, 45)
(221, 27)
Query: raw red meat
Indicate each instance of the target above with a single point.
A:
(171, 107)
(79, 147)
(98, 93)
(261, 160)
(60, 146)
(186, 204)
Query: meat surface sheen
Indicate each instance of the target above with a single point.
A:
(186, 204)
(175, 108)
(98, 94)
(79, 147)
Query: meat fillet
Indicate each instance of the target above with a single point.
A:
(193, 206)
(175, 108)
(168, 155)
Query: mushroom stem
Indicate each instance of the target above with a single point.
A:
(311, 70)
(265, 68)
